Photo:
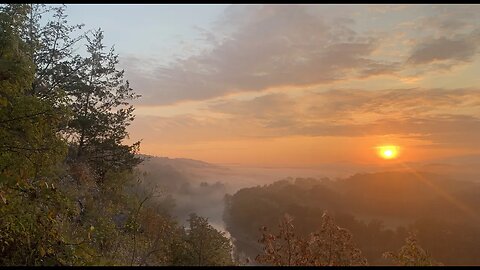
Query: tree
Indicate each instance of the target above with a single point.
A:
(203, 245)
(333, 245)
(31, 207)
(330, 246)
(411, 254)
(54, 210)
(28, 125)
(101, 112)
(51, 46)
(285, 248)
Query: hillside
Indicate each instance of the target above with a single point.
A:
(377, 208)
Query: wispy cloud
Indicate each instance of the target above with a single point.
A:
(254, 48)
(272, 46)
(459, 50)
(442, 116)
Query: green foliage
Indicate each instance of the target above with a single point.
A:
(29, 142)
(51, 44)
(16, 67)
(32, 230)
(86, 208)
(31, 209)
(101, 112)
(203, 245)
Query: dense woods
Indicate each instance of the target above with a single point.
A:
(390, 216)
(69, 187)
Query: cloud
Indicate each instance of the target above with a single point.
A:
(252, 48)
(266, 47)
(445, 36)
(340, 105)
(450, 20)
(442, 130)
(261, 107)
(461, 49)
(442, 116)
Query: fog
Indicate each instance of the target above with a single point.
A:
(192, 186)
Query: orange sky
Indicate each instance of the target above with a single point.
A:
(298, 151)
(302, 85)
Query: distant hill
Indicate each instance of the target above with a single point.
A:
(179, 162)
(376, 207)
(406, 194)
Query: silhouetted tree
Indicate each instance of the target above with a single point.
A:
(101, 112)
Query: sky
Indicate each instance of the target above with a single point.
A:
(298, 85)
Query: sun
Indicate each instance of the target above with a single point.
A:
(388, 151)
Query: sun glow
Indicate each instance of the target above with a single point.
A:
(388, 151)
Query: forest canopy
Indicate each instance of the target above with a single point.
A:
(69, 185)
(384, 213)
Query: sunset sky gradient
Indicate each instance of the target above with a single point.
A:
(298, 85)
